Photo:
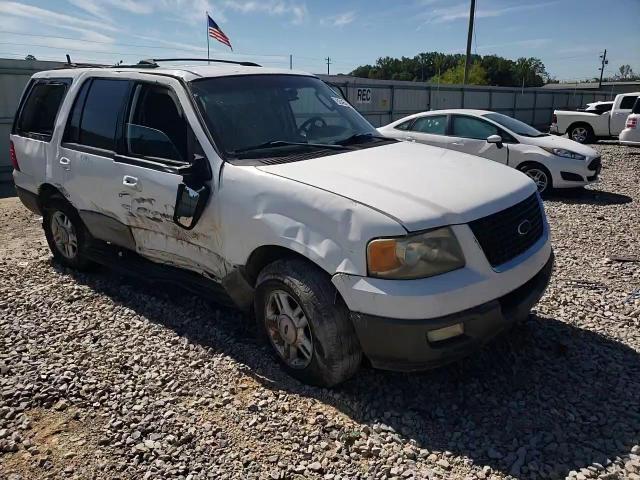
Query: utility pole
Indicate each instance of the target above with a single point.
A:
(603, 57)
(290, 62)
(328, 59)
(467, 63)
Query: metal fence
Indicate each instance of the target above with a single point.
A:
(379, 101)
(382, 102)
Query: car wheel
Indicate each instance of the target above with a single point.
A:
(540, 175)
(581, 134)
(306, 323)
(66, 235)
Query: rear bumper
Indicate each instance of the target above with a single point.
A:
(29, 200)
(403, 345)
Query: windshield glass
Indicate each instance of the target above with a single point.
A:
(516, 126)
(264, 111)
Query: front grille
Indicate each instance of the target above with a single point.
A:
(510, 232)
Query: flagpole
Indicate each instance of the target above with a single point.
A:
(207, 13)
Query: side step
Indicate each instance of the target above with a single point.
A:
(130, 263)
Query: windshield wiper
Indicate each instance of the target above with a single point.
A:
(358, 137)
(285, 143)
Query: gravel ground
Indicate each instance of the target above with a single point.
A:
(103, 377)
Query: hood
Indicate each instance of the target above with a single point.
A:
(419, 186)
(554, 141)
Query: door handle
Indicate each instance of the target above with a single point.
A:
(410, 139)
(129, 181)
(65, 162)
(458, 144)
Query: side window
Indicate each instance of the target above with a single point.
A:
(98, 120)
(38, 114)
(404, 125)
(627, 102)
(436, 125)
(156, 126)
(469, 127)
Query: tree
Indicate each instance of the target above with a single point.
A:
(477, 75)
(431, 66)
(625, 72)
(30, 57)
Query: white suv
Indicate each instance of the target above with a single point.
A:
(267, 188)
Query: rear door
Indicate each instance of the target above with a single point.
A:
(92, 179)
(34, 127)
(621, 112)
(469, 135)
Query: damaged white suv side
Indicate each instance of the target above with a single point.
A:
(266, 188)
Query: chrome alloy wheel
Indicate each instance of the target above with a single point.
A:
(539, 177)
(288, 329)
(64, 235)
(579, 134)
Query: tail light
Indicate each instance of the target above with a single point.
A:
(554, 118)
(13, 156)
(632, 122)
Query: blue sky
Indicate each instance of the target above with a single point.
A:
(568, 35)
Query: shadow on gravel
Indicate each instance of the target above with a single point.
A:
(588, 197)
(541, 400)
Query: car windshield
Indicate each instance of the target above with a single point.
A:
(260, 113)
(516, 126)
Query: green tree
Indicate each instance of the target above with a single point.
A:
(477, 75)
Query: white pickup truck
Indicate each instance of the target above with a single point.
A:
(588, 126)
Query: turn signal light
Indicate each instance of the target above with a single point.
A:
(13, 156)
(382, 255)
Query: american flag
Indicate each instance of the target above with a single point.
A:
(217, 33)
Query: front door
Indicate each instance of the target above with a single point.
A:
(469, 135)
(158, 144)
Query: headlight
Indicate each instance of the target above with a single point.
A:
(561, 152)
(415, 256)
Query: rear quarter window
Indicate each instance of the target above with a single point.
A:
(627, 102)
(36, 116)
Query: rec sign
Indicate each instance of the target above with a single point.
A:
(363, 95)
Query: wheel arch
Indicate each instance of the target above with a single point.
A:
(532, 163)
(47, 191)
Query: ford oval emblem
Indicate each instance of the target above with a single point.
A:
(524, 227)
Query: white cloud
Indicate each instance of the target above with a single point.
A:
(339, 20)
(461, 11)
(296, 10)
(50, 17)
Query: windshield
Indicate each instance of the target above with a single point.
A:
(516, 126)
(262, 112)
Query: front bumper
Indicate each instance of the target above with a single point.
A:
(403, 345)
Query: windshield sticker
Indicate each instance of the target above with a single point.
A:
(341, 101)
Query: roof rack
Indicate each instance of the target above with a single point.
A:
(153, 62)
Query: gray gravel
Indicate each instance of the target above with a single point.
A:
(103, 377)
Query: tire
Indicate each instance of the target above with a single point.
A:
(61, 223)
(581, 133)
(540, 175)
(327, 351)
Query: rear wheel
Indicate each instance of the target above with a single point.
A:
(66, 234)
(581, 133)
(306, 323)
(540, 175)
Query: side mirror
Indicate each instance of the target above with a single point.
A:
(190, 203)
(497, 139)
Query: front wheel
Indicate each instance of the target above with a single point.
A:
(306, 323)
(540, 175)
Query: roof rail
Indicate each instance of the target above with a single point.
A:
(209, 60)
